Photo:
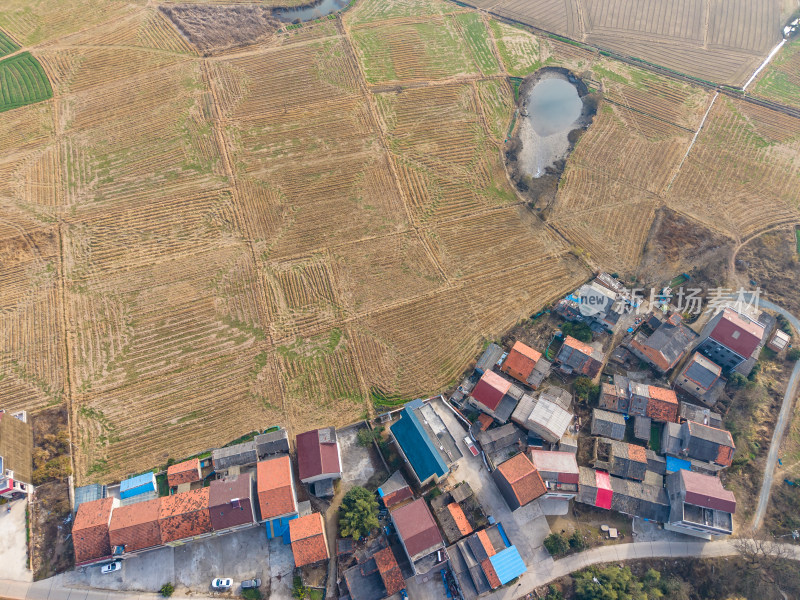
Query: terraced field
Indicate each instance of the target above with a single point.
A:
(22, 82)
(194, 244)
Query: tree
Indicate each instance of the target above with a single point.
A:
(576, 542)
(553, 593)
(793, 354)
(737, 380)
(580, 331)
(556, 544)
(366, 436)
(585, 389)
(358, 515)
(609, 583)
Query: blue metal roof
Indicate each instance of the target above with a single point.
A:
(676, 464)
(417, 446)
(508, 564)
(138, 481)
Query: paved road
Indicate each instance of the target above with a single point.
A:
(537, 575)
(780, 425)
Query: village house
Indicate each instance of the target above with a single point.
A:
(710, 447)
(607, 424)
(607, 299)
(139, 488)
(698, 414)
(184, 473)
(518, 481)
(646, 499)
(90, 531)
(274, 443)
(666, 346)
(230, 503)
(578, 358)
(452, 520)
(620, 459)
(424, 442)
(526, 365)
(184, 516)
(559, 472)
(779, 341)
(484, 562)
(639, 399)
(135, 527)
(277, 501)
(495, 396)
(319, 460)
(492, 356)
(547, 414)
(733, 340)
(702, 379)
(232, 458)
(309, 540)
(501, 442)
(16, 455)
(375, 577)
(419, 536)
(699, 505)
(395, 490)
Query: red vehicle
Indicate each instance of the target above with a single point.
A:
(471, 445)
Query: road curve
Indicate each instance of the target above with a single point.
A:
(780, 424)
(540, 574)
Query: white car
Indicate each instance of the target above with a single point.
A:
(222, 583)
(111, 567)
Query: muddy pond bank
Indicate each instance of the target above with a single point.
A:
(553, 109)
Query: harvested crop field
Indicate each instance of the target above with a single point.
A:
(199, 239)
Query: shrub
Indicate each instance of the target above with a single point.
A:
(167, 590)
(737, 380)
(251, 594)
(580, 331)
(576, 542)
(586, 390)
(793, 354)
(366, 436)
(358, 515)
(556, 544)
(553, 593)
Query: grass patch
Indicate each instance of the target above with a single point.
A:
(22, 82)
(478, 42)
(382, 399)
(519, 50)
(655, 438)
(7, 45)
(797, 238)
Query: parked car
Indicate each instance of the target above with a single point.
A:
(111, 567)
(251, 583)
(471, 445)
(222, 583)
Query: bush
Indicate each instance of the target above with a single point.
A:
(737, 380)
(167, 590)
(553, 593)
(366, 436)
(576, 542)
(793, 354)
(556, 544)
(251, 594)
(299, 590)
(580, 331)
(586, 390)
(358, 515)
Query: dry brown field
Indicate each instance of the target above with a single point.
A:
(717, 40)
(197, 246)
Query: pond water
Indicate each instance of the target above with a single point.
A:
(309, 12)
(550, 111)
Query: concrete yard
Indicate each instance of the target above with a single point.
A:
(359, 464)
(14, 550)
(240, 555)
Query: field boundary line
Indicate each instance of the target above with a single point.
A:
(691, 144)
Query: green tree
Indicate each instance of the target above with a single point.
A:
(608, 583)
(556, 544)
(553, 593)
(586, 390)
(358, 515)
(737, 380)
(576, 542)
(580, 331)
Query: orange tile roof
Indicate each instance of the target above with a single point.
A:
(90, 530)
(637, 453)
(485, 420)
(184, 472)
(308, 540)
(390, 571)
(136, 526)
(664, 394)
(184, 515)
(523, 478)
(578, 345)
(491, 574)
(486, 542)
(520, 362)
(724, 455)
(460, 518)
(274, 484)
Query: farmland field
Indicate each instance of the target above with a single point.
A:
(198, 241)
(22, 81)
(780, 81)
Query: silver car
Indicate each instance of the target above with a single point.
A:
(222, 583)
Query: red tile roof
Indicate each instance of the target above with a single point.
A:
(491, 574)
(483, 537)
(724, 456)
(664, 394)
(90, 530)
(485, 420)
(571, 342)
(315, 458)
(136, 526)
(416, 527)
(745, 341)
(275, 492)
(184, 472)
(490, 389)
(390, 571)
(523, 477)
(184, 515)
(460, 518)
(662, 405)
(637, 453)
(230, 501)
(520, 362)
(707, 491)
(308, 540)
